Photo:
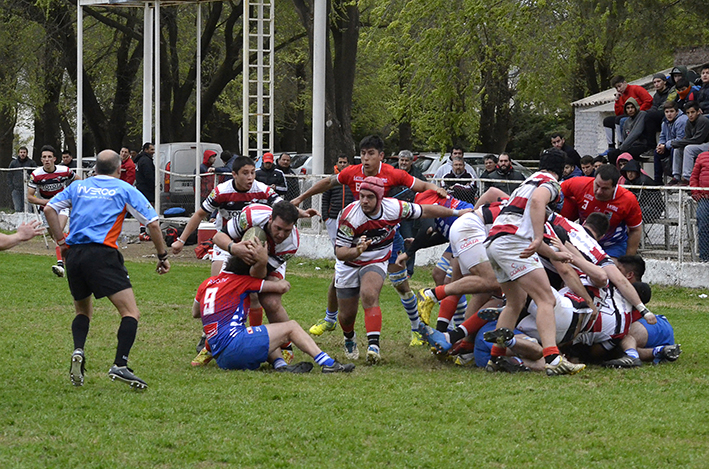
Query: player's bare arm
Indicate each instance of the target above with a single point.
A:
(33, 199)
(318, 188)
(192, 225)
(421, 186)
(634, 236)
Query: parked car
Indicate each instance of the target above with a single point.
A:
(181, 158)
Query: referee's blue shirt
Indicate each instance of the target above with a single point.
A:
(98, 207)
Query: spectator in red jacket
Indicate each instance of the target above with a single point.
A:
(623, 91)
(700, 178)
(127, 166)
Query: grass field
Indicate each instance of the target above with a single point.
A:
(412, 411)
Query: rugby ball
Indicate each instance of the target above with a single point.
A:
(255, 232)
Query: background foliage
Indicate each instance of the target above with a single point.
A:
(425, 74)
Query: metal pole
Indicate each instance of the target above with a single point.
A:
(245, 81)
(156, 158)
(198, 118)
(148, 47)
(79, 90)
(319, 44)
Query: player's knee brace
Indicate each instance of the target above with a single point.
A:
(397, 278)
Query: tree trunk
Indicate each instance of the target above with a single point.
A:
(339, 78)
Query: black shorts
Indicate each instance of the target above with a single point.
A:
(97, 269)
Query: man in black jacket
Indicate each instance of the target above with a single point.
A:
(145, 172)
(507, 172)
(283, 163)
(272, 176)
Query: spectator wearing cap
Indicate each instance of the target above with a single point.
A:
(270, 175)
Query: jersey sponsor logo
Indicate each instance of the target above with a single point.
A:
(406, 210)
(249, 330)
(97, 191)
(612, 207)
(347, 231)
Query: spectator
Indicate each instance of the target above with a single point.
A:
(570, 169)
(456, 152)
(587, 166)
(681, 93)
(558, 141)
(16, 179)
(68, 160)
(505, 171)
(145, 173)
(127, 166)
(490, 162)
(651, 202)
(225, 171)
(459, 182)
(656, 114)
(673, 126)
(623, 92)
(635, 140)
(292, 181)
(620, 163)
(700, 178)
(272, 176)
(696, 136)
(207, 170)
(701, 96)
(598, 161)
(662, 91)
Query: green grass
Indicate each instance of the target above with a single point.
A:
(413, 411)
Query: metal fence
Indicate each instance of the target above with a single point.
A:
(670, 215)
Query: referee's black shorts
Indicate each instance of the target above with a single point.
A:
(97, 269)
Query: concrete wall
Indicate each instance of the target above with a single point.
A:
(589, 134)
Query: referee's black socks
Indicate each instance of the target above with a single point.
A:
(126, 337)
(79, 330)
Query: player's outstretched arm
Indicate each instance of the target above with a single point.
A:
(25, 232)
(192, 225)
(317, 188)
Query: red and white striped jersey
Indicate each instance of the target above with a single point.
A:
(489, 213)
(229, 201)
(381, 228)
(612, 323)
(50, 184)
(259, 215)
(581, 240)
(515, 216)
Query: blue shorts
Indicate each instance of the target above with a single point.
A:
(660, 333)
(397, 247)
(616, 249)
(246, 351)
(483, 349)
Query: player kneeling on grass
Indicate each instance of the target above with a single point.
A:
(365, 235)
(223, 304)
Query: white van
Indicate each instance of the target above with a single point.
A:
(181, 158)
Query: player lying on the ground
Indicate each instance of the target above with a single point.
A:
(223, 304)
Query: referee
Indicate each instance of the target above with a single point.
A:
(93, 262)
